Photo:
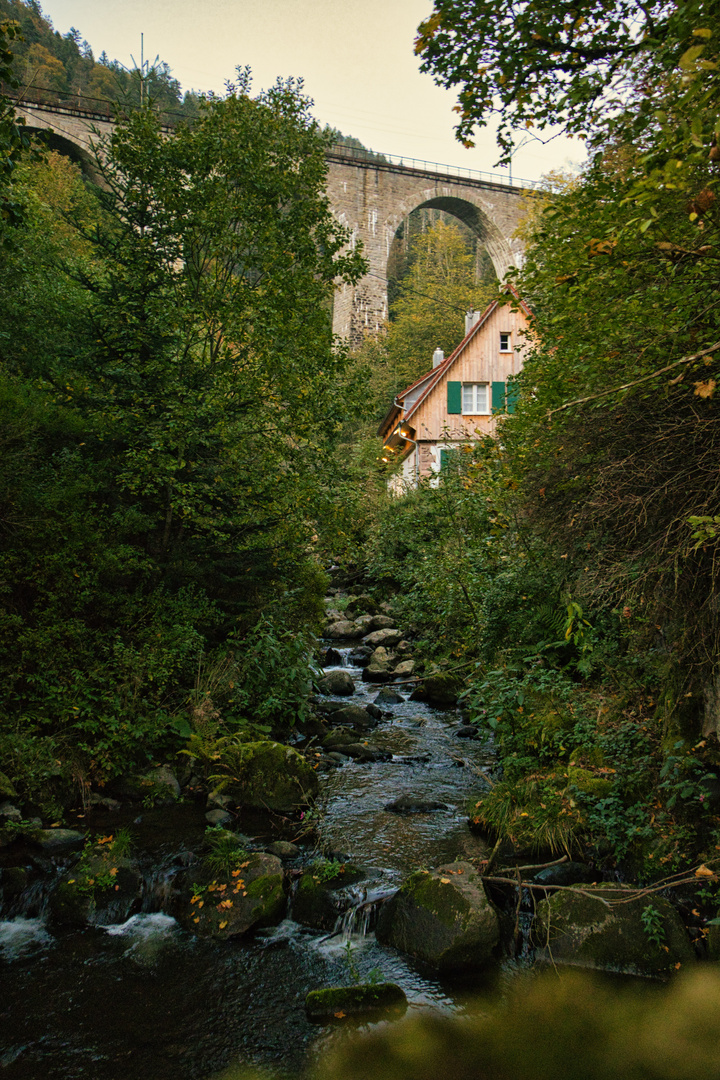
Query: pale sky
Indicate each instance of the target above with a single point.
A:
(356, 57)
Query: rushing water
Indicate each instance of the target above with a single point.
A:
(145, 999)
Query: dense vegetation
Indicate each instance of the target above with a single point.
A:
(567, 576)
(168, 406)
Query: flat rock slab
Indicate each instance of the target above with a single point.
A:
(342, 1001)
(57, 839)
(354, 716)
(388, 696)
(443, 917)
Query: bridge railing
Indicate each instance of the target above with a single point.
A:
(356, 153)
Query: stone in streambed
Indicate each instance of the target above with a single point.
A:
(365, 998)
(57, 839)
(388, 638)
(319, 898)
(337, 683)
(404, 669)
(364, 752)
(387, 696)
(360, 657)
(443, 917)
(233, 902)
(283, 849)
(466, 731)
(376, 673)
(442, 688)
(344, 629)
(98, 890)
(580, 930)
(409, 804)
(332, 658)
(354, 716)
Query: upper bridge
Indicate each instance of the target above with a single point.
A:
(371, 194)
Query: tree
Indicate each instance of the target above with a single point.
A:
(589, 67)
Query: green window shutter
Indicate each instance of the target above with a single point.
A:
(443, 460)
(513, 393)
(454, 397)
(498, 397)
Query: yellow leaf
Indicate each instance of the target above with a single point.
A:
(339, 1015)
(71, 881)
(223, 924)
(705, 389)
(444, 880)
(702, 871)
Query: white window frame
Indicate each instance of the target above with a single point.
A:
(508, 348)
(474, 403)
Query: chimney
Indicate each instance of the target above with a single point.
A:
(438, 357)
(471, 319)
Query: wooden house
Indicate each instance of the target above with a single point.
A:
(460, 399)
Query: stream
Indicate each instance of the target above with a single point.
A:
(146, 999)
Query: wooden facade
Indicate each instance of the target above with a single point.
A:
(459, 400)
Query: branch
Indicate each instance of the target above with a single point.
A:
(636, 382)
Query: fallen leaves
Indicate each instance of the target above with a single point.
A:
(339, 1015)
(705, 389)
(703, 871)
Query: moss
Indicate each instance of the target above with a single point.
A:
(7, 788)
(447, 905)
(343, 1001)
(271, 776)
(588, 783)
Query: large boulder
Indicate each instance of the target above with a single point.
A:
(442, 688)
(443, 917)
(233, 902)
(404, 669)
(97, 891)
(590, 929)
(354, 716)
(383, 622)
(270, 776)
(338, 683)
(388, 638)
(344, 629)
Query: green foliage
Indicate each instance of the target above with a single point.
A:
(326, 869)
(653, 925)
(226, 852)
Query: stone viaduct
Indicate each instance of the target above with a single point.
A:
(370, 194)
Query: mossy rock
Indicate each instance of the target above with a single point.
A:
(234, 902)
(7, 788)
(578, 929)
(341, 1001)
(443, 917)
(442, 688)
(96, 891)
(271, 776)
(316, 902)
(589, 783)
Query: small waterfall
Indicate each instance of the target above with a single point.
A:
(359, 919)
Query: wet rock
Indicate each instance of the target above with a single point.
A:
(339, 738)
(388, 638)
(410, 804)
(58, 839)
(344, 629)
(387, 696)
(218, 817)
(103, 802)
(319, 897)
(217, 801)
(582, 931)
(377, 714)
(381, 655)
(13, 881)
(98, 890)
(233, 902)
(366, 623)
(383, 622)
(466, 731)
(10, 812)
(443, 917)
(442, 688)
(354, 716)
(337, 683)
(331, 658)
(7, 788)
(270, 776)
(335, 758)
(283, 849)
(364, 998)
(376, 673)
(360, 657)
(404, 669)
(569, 873)
(363, 752)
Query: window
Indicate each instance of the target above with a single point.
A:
(475, 398)
(505, 345)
